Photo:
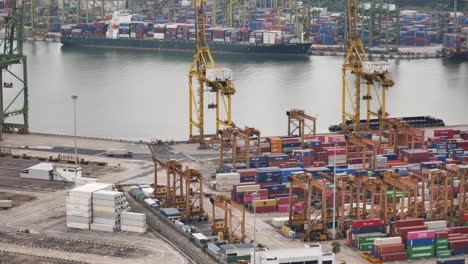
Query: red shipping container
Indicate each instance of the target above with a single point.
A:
(465, 217)
(266, 209)
(460, 229)
(366, 223)
(458, 244)
(463, 144)
(441, 234)
(409, 222)
(444, 132)
(396, 248)
(276, 163)
(394, 256)
(404, 230)
(285, 200)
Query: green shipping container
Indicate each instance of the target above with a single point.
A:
(365, 247)
(370, 239)
(442, 242)
(465, 224)
(398, 194)
(444, 253)
(418, 255)
(442, 248)
(421, 249)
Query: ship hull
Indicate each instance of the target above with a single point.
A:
(296, 49)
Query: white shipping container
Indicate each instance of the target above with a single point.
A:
(79, 213)
(6, 203)
(105, 221)
(132, 35)
(224, 188)
(77, 207)
(279, 221)
(158, 36)
(106, 203)
(133, 216)
(387, 241)
(103, 227)
(252, 40)
(107, 195)
(133, 229)
(227, 176)
(109, 209)
(79, 219)
(104, 214)
(436, 224)
(78, 225)
(137, 223)
(79, 201)
(378, 67)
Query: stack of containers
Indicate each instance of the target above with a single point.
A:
(389, 249)
(86, 29)
(465, 219)
(421, 244)
(402, 227)
(365, 231)
(269, 175)
(286, 172)
(80, 205)
(415, 155)
(171, 32)
(276, 145)
(458, 240)
(283, 203)
(277, 160)
(76, 31)
(247, 175)
(262, 194)
(258, 161)
(107, 207)
(159, 30)
(140, 30)
(150, 30)
(133, 27)
(264, 206)
(99, 29)
(124, 30)
(238, 191)
(290, 144)
(225, 181)
(336, 154)
(306, 156)
(442, 244)
(218, 34)
(133, 222)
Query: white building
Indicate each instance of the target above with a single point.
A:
(306, 255)
(51, 171)
(41, 171)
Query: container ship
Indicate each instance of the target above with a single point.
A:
(455, 46)
(181, 37)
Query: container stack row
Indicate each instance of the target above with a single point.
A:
(107, 207)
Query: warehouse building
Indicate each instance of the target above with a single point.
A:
(311, 254)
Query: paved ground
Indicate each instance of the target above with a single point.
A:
(45, 215)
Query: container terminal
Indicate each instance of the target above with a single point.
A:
(382, 189)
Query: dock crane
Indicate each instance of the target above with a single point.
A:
(394, 180)
(204, 76)
(403, 127)
(11, 53)
(461, 171)
(225, 225)
(173, 192)
(230, 137)
(300, 124)
(366, 144)
(194, 195)
(365, 72)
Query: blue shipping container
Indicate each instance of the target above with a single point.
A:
(420, 242)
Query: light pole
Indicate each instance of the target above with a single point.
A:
(74, 98)
(254, 195)
(334, 191)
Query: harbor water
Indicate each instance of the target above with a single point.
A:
(144, 95)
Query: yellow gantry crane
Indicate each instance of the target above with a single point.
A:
(204, 76)
(365, 72)
(403, 127)
(230, 137)
(226, 225)
(300, 124)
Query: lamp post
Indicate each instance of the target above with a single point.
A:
(334, 192)
(254, 195)
(74, 98)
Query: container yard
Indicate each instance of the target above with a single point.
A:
(374, 188)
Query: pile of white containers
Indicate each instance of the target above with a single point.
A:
(133, 222)
(225, 181)
(80, 206)
(107, 206)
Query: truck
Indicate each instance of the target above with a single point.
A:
(119, 153)
(6, 204)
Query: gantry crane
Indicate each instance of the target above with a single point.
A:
(372, 185)
(194, 195)
(11, 53)
(173, 192)
(422, 177)
(298, 121)
(315, 230)
(394, 180)
(226, 225)
(366, 144)
(461, 171)
(207, 78)
(358, 64)
(347, 184)
(230, 137)
(439, 203)
(403, 127)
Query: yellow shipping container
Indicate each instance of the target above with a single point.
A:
(277, 150)
(261, 203)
